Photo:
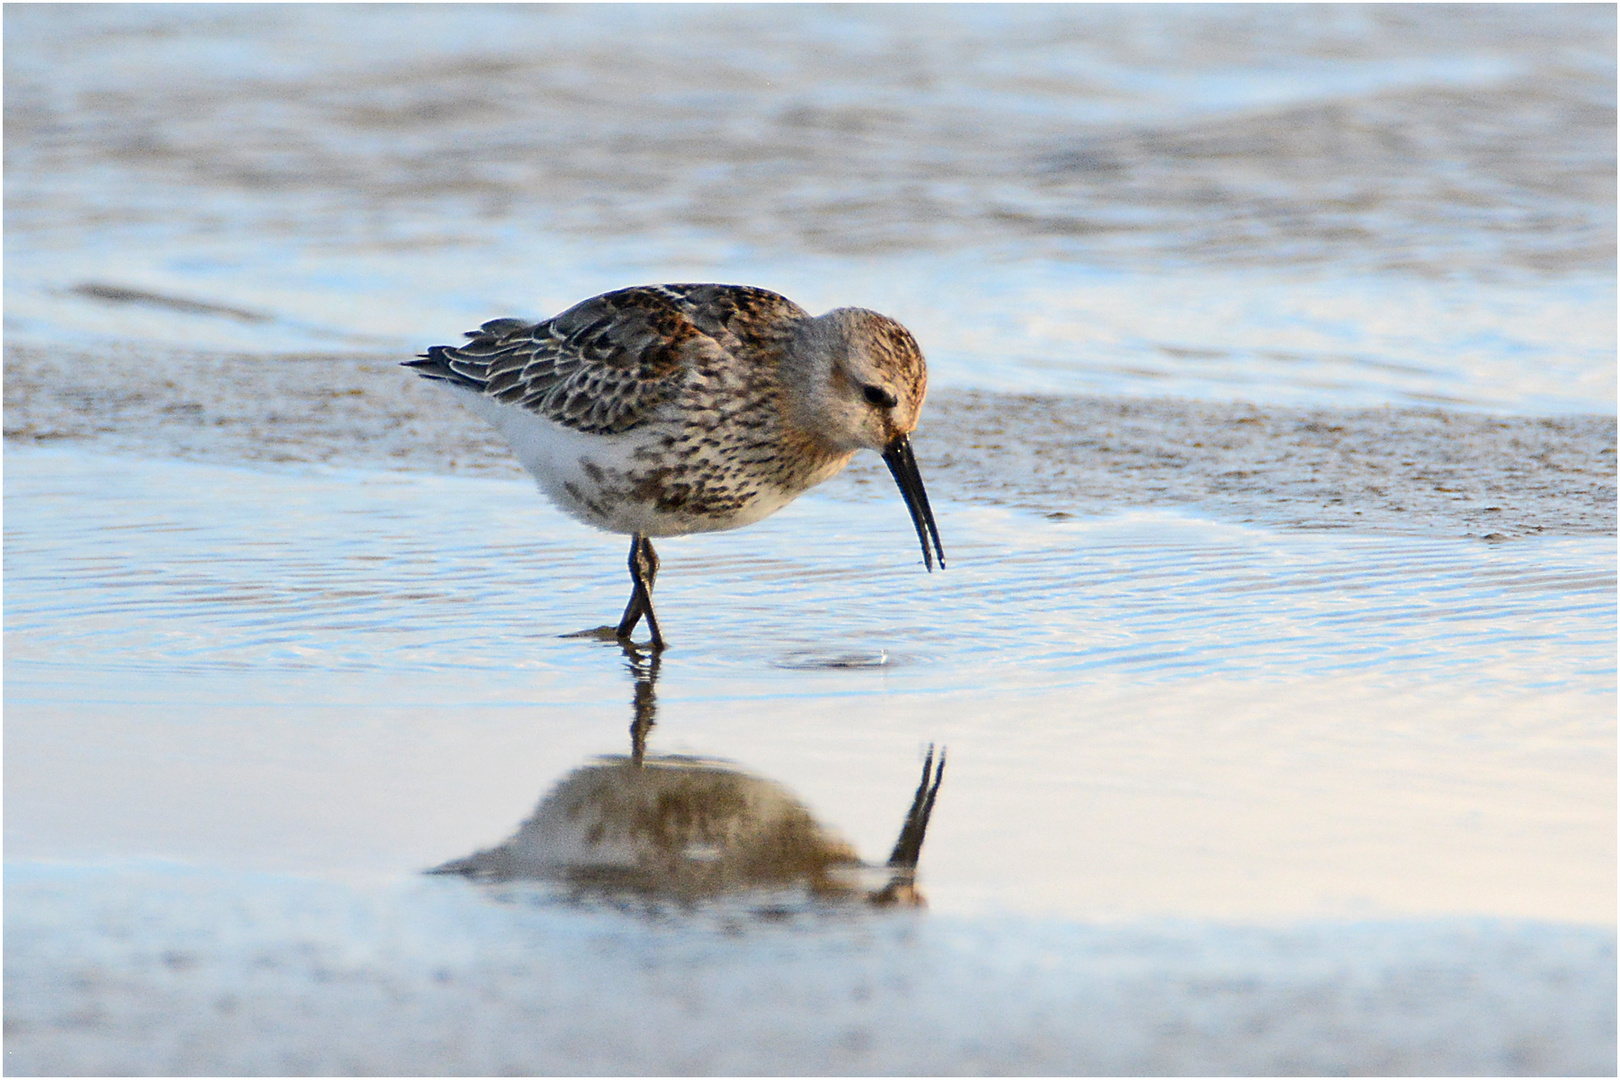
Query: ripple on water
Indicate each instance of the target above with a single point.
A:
(384, 572)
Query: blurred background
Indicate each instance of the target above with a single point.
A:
(1289, 204)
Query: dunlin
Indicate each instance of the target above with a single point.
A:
(663, 410)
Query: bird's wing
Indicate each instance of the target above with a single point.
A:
(605, 364)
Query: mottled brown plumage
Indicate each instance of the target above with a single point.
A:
(660, 410)
(605, 364)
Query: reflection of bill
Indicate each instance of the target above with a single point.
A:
(688, 829)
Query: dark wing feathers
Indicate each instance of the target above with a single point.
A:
(605, 364)
(497, 327)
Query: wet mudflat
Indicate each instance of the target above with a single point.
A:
(1271, 438)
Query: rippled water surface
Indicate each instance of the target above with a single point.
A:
(167, 567)
(285, 600)
(1271, 438)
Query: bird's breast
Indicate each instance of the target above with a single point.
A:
(669, 486)
(693, 471)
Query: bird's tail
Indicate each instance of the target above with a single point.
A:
(468, 365)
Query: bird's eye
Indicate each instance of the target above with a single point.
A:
(876, 395)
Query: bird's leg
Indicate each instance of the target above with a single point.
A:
(643, 572)
(649, 563)
(638, 591)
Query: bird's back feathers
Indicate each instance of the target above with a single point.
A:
(606, 364)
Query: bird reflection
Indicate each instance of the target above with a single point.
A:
(643, 665)
(689, 829)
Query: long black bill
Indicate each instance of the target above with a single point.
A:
(897, 455)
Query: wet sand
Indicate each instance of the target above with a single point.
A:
(275, 975)
(1419, 472)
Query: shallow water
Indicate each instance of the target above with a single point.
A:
(170, 567)
(312, 612)
(349, 676)
(1271, 439)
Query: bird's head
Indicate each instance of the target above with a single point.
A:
(857, 381)
(862, 379)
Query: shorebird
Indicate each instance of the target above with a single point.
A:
(663, 410)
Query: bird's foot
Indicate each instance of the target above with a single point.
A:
(600, 633)
(611, 633)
